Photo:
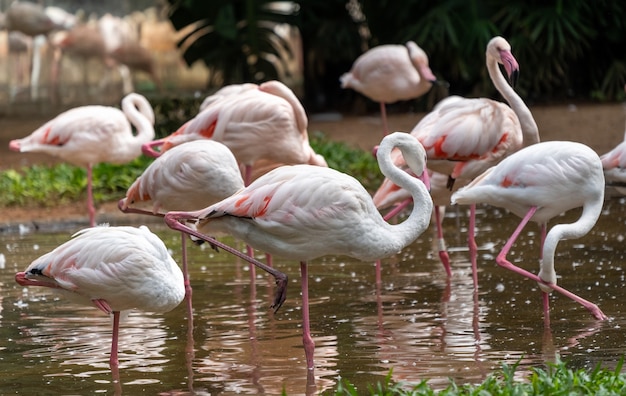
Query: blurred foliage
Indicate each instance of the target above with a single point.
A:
(566, 49)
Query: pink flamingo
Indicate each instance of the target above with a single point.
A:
(304, 212)
(190, 176)
(265, 123)
(390, 73)
(614, 165)
(538, 183)
(463, 137)
(138, 273)
(87, 135)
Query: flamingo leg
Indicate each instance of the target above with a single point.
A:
(383, 115)
(471, 243)
(113, 360)
(443, 253)
(90, 207)
(172, 219)
(503, 262)
(188, 290)
(307, 340)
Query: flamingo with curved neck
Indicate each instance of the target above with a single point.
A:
(88, 135)
(465, 136)
(303, 212)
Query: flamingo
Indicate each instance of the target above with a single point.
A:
(538, 183)
(87, 135)
(138, 273)
(390, 73)
(463, 137)
(614, 165)
(190, 176)
(303, 212)
(37, 22)
(264, 123)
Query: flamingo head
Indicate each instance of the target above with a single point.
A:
(500, 49)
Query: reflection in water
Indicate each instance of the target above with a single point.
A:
(416, 323)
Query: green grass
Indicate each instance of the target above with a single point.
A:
(556, 379)
(41, 185)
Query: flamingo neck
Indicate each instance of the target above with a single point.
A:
(141, 116)
(590, 214)
(530, 131)
(419, 219)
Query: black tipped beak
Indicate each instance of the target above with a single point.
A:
(441, 83)
(513, 78)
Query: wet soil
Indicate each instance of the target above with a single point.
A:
(599, 126)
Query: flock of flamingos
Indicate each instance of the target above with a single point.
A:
(244, 166)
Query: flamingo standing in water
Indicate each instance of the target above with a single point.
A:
(138, 273)
(538, 183)
(190, 176)
(464, 137)
(390, 73)
(614, 165)
(87, 135)
(264, 123)
(304, 212)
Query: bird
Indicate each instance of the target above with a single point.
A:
(614, 165)
(138, 273)
(88, 135)
(268, 123)
(303, 212)
(389, 73)
(190, 176)
(37, 22)
(465, 136)
(537, 183)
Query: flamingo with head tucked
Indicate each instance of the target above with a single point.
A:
(88, 135)
(390, 73)
(539, 183)
(303, 212)
(114, 269)
(268, 123)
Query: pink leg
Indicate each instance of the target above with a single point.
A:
(471, 243)
(188, 290)
(397, 209)
(247, 177)
(90, 207)
(443, 254)
(503, 262)
(250, 253)
(307, 340)
(383, 115)
(113, 361)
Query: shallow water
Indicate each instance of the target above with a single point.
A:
(418, 323)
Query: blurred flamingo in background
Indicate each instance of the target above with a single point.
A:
(538, 183)
(304, 212)
(190, 176)
(138, 273)
(463, 137)
(390, 73)
(267, 122)
(88, 135)
(38, 22)
(614, 165)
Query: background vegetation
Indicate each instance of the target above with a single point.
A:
(567, 49)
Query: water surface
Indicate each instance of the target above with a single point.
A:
(418, 323)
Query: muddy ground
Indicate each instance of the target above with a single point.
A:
(599, 126)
